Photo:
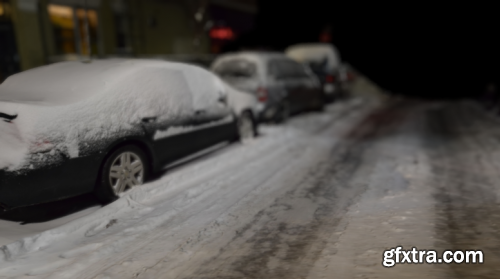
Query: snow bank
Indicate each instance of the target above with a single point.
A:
(69, 104)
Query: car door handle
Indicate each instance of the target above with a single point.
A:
(149, 119)
(198, 112)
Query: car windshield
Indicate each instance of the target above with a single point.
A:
(236, 69)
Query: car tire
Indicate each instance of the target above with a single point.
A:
(247, 128)
(124, 168)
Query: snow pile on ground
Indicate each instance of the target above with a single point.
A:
(71, 103)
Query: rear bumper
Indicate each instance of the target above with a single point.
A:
(71, 178)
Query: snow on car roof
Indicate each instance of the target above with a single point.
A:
(256, 55)
(260, 58)
(69, 82)
(315, 52)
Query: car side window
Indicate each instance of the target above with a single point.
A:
(287, 69)
(237, 68)
(298, 70)
(279, 69)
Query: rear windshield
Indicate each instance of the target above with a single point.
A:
(237, 68)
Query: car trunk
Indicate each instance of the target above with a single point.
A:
(12, 146)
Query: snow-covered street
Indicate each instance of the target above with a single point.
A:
(320, 197)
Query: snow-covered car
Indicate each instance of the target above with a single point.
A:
(72, 128)
(325, 61)
(281, 85)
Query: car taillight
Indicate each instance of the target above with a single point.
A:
(330, 79)
(262, 95)
(41, 147)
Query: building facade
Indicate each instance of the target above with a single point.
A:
(38, 32)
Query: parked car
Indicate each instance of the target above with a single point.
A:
(325, 61)
(281, 85)
(72, 128)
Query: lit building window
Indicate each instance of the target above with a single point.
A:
(64, 29)
(69, 29)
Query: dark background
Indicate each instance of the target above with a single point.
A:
(436, 51)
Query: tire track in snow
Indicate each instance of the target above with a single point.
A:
(467, 203)
(277, 165)
(271, 233)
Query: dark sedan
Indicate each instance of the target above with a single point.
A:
(72, 128)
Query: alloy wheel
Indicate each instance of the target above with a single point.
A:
(126, 171)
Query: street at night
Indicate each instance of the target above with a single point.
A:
(248, 139)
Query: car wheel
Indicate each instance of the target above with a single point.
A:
(246, 127)
(124, 169)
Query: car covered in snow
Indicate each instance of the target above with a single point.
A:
(325, 61)
(72, 128)
(281, 85)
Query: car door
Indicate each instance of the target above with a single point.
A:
(198, 117)
(165, 112)
(214, 120)
(308, 87)
(288, 78)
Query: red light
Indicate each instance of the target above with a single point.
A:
(262, 95)
(222, 33)
(325, 38)
(330, 79)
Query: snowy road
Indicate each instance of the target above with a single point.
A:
(320, 197)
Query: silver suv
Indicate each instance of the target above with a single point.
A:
(282, 85)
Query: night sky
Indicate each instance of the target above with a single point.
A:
(414, 49)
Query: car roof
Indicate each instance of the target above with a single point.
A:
(254, 55)
(66, 82)
(315, 52)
